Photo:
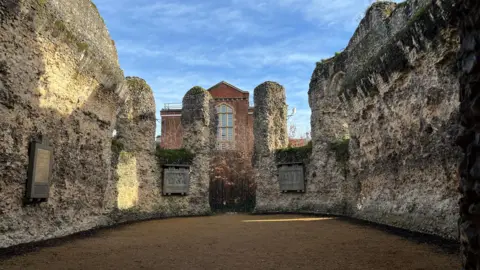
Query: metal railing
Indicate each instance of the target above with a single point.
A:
(172, 106)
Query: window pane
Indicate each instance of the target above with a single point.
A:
(223, 109)
(230, 120)
(229, 109)
(224, 133)
(230, 134)
(224, 120)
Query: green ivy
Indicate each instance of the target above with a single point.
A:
(293, 154)
(174, 156)
(117, 146)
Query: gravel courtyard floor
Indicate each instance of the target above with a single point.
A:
(238, 242)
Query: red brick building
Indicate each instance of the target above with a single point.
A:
(235, 120)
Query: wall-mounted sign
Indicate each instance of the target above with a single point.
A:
(291, 177)
(39, 170)
(176, 179)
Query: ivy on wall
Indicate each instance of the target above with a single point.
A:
(293, 154)
(174, 156)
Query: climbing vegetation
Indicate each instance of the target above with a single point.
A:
(293, 154)
(174, 156)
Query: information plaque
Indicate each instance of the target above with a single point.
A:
(291, 177)
(39, 170)
(176, 179)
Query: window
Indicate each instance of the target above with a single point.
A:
(225, 123)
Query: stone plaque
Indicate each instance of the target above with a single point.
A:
(291, 177)
(39, 169)
(176, 179)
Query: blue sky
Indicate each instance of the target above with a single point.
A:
(175, 45)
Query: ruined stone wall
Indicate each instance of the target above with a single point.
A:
(59, 77)
(138, 173)
(396, 111)
(469, 140)
(135, 170)
(270, 133)
(199, 121)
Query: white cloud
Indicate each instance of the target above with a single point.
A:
(178, 44)
(323, 13)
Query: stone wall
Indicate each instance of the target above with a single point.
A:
(383, 125)
(396, 110)
(135, 170)
(138, 173)
(270, 133)
(199, 121)
(469, 54)
(60, 78)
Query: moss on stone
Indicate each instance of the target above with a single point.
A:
(117, 146)
(196, 90)
(62, 30)
(42, 2)
(340, 148)
(138, 85)
(388, 11)
(82, 46)
(421, 12)
(174, 156)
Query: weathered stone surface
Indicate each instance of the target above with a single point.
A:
(383, 124)
(134, 166)
(469, 53)
(59, 77)
(392, 93)
(199, 121)
(269, 118)
(270, 133)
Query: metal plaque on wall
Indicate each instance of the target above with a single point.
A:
(39, 169)
(176, 179)
(291, 177)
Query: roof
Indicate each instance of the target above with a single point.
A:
(230, 85)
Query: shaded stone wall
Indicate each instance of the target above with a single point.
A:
(59, 77)
(270, 133)
(139, 174)
(397, 113)
(134, 165)
(469, 139)
(199, 122)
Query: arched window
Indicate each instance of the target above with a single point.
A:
(225, 123)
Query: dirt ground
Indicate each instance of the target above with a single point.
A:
(239, 242)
